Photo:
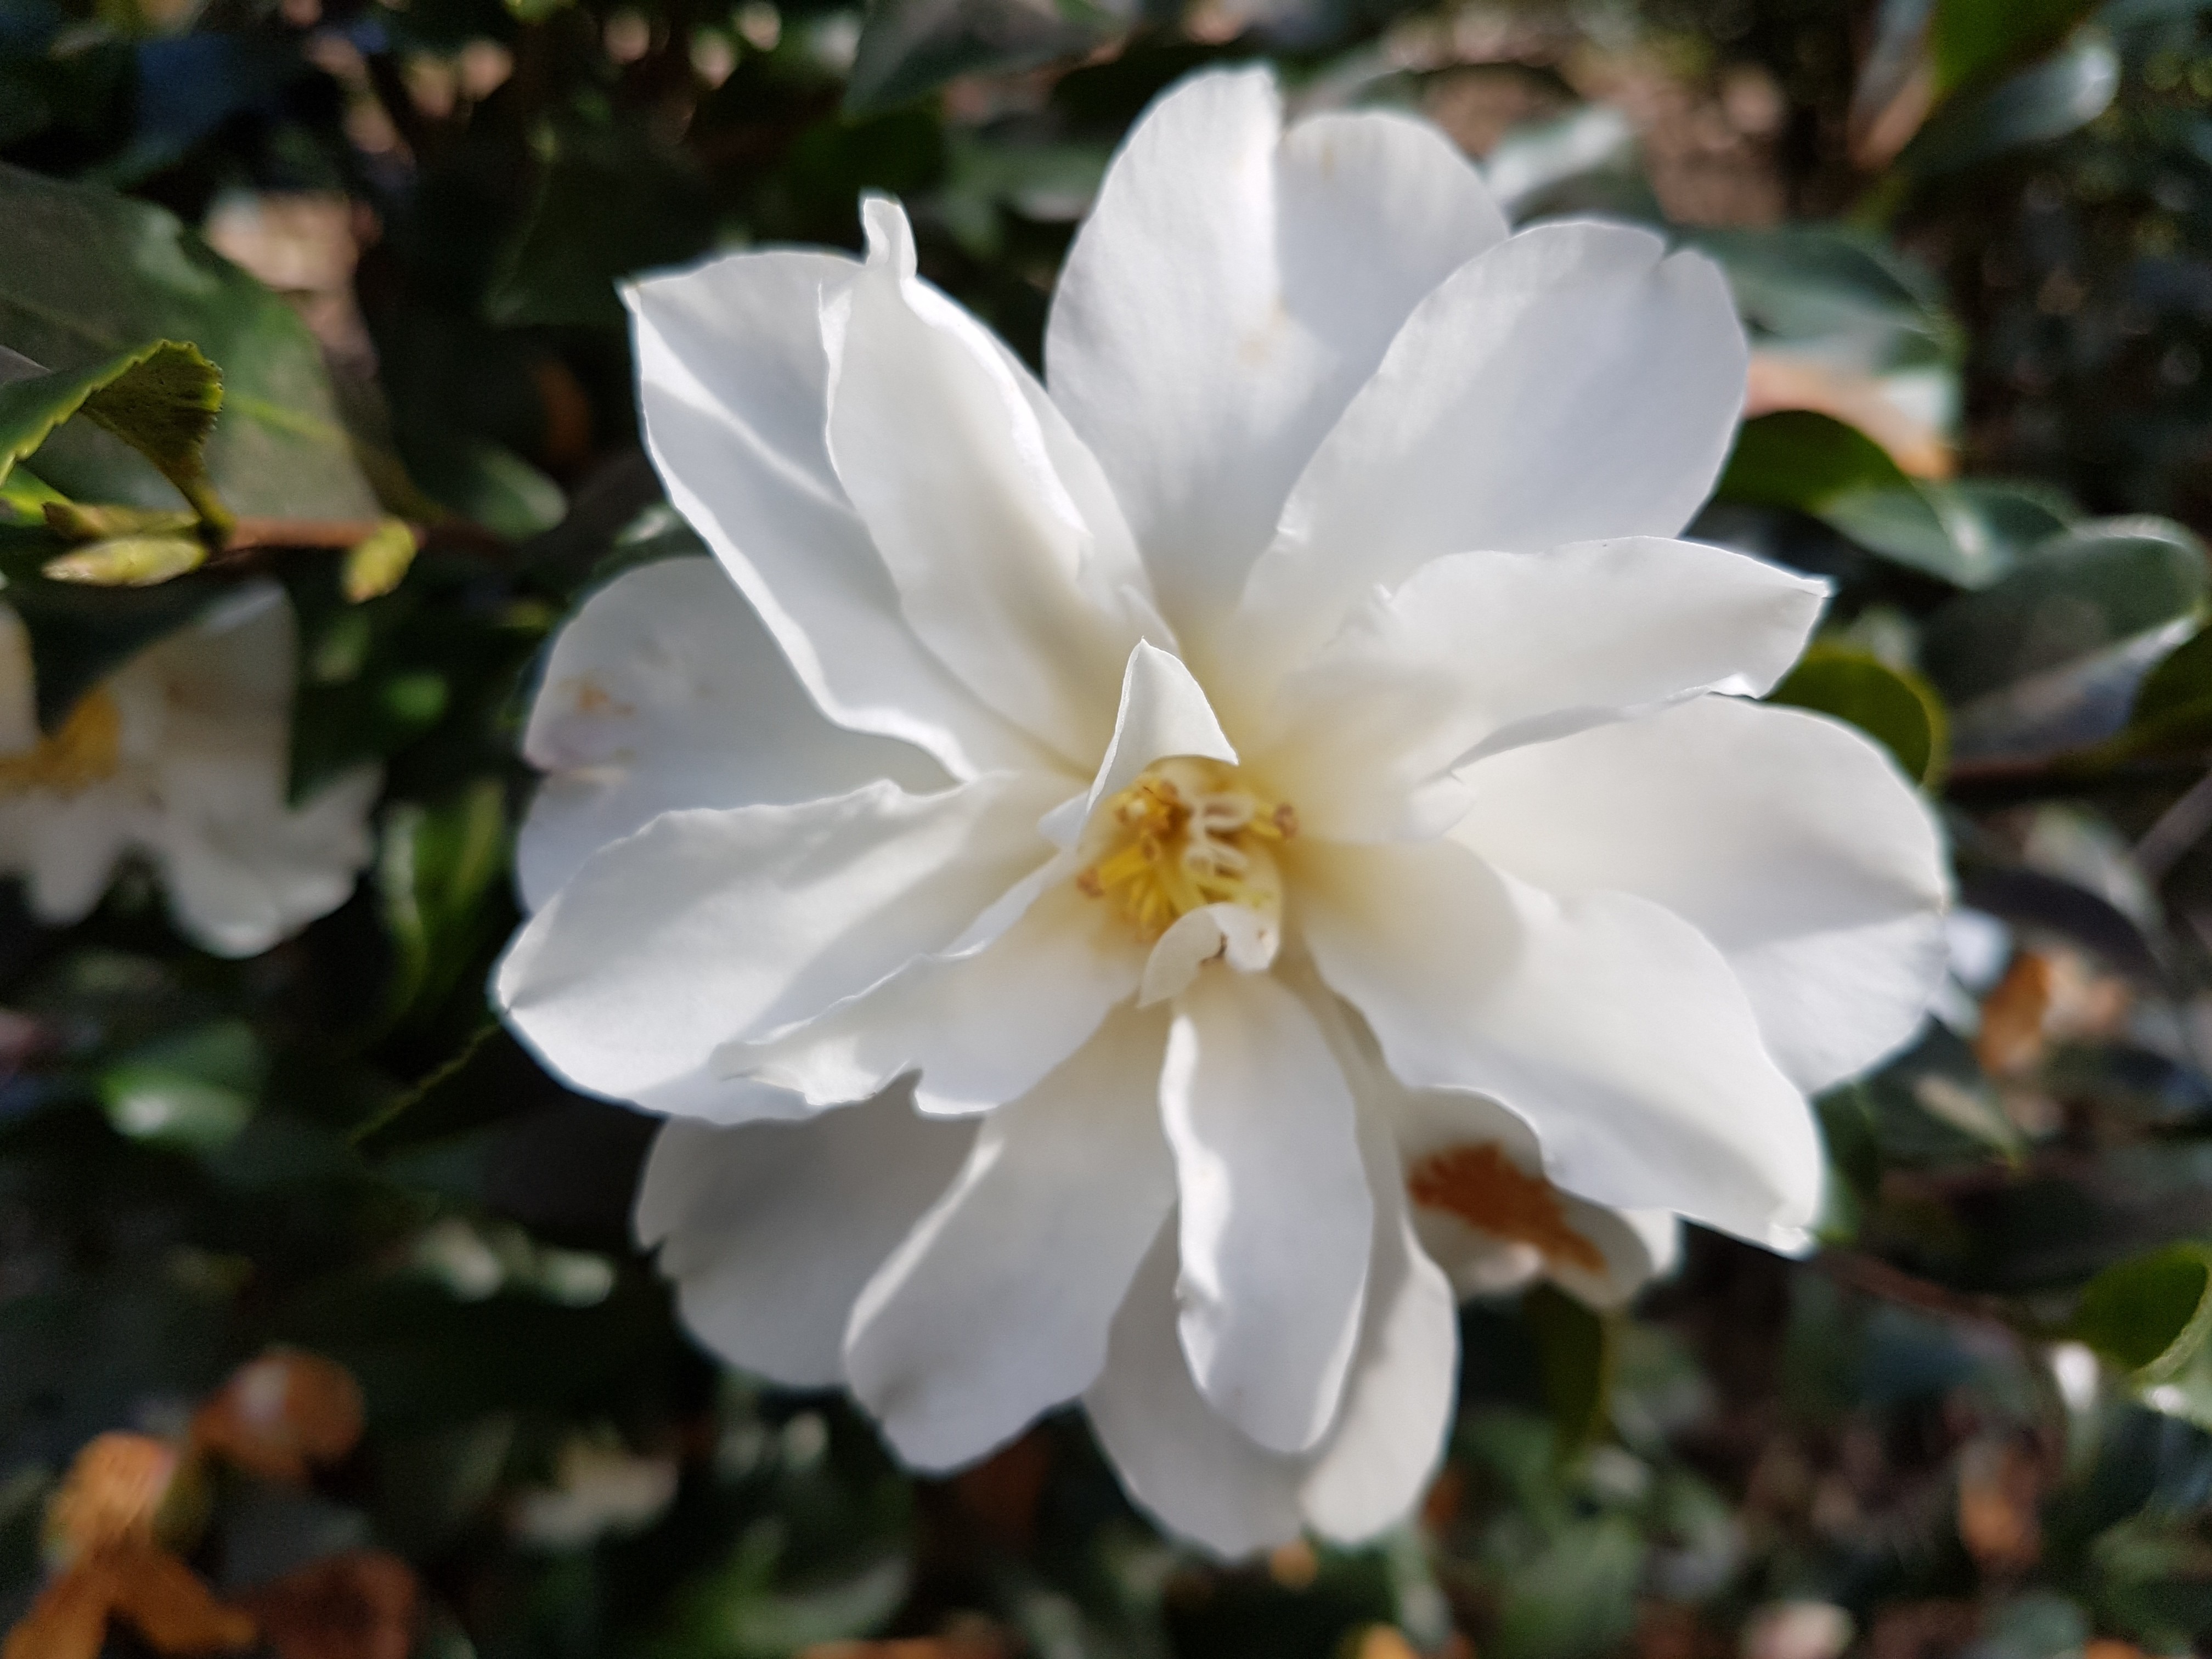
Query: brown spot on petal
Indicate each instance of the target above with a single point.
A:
(593, 698)
(1487, 1190)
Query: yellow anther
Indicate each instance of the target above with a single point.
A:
(85, 751)
(1186, 834)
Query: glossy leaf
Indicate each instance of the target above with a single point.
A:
(85, 276)
(161, 400)
(1574, 1353)
(910, 47)
(1972, 39)
(1894, 706)
(2075, 595)
(614, 202)
(2150, 1316)
(2049, 101)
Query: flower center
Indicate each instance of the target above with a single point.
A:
(1186, 834)
(1488, 1191)
(85, 751)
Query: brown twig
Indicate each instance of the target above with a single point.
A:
(1875, 1277)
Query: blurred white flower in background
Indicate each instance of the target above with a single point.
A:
(1223, 817)
(182, 755)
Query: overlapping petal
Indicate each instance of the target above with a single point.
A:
(1276, 1216)
(733, 393)
(1189, 1466)
(665, 691)
(1031, 604)
(1611, 1026)
(1476, 652)
(771, 1230)
(706, 926)
(1226, 297)
(1789, 840)
(981, 1028)
(1575, 383)
(996, 1306)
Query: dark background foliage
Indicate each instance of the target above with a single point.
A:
(1974, 241)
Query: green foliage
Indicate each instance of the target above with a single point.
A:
(334, 1145)
(1894, 706)
(85, 275)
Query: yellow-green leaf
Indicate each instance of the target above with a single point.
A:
(129, 562)
(378, 563)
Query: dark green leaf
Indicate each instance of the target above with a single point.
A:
(2048, 102)
(613, 202)
(1973, 40)
(2091, 588)
(161, 400)
(2150, 1316)
(433, 873)
(1897, 708)
(910, 47)
(1818, 465)
(2173, 705)
(85, 276)
(196, 1089)
(1575, 1350)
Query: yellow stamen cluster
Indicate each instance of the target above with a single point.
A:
(1186, 835)
(85, 751)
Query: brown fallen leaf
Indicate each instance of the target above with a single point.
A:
(114, 1489)
(143, 1585)
(360, 1604)
(1999, 1493)
(280, 1413)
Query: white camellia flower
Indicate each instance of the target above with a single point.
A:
(1190, 801)
(182, 756)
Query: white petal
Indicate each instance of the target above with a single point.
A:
(247, 872)
(208, 712)
(1226, 297)
(1164, 712)
(947, 458)
(1276, 1216)
(66, 848)
(1389, 1432)
(1182, 1463)
(1573, 384)
(1792, 843)
(1479, 651)
(1240, 938)
(1638, 1247)
(996, 1307)
(981, 1029)
(733, 393)
(1189, 1466)
(1609, 1025)
(663, 691)
(771, 1230)
(708, 925)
